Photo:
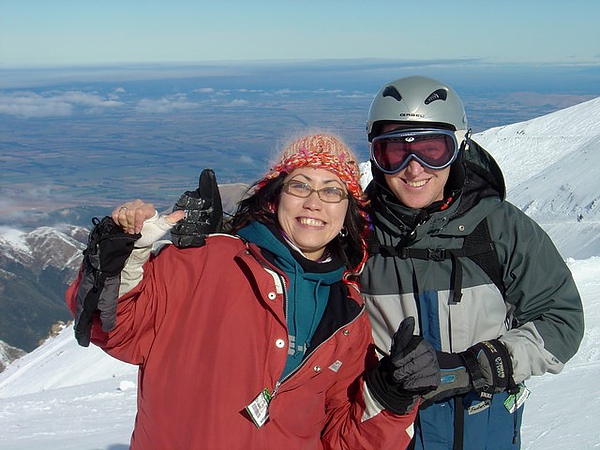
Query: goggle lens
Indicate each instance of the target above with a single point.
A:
(435, 149)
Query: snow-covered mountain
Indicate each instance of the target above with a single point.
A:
(551, 165)
(43, 247)
(8, 354)
(69, 397)
(35, 268)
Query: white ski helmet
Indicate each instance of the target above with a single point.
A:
(420, 102)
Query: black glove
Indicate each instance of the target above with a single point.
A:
(410, 370)
(203, 212)
(485, 368)
(107, 250)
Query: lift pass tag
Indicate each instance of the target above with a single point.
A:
(515, 401)
(258, 410)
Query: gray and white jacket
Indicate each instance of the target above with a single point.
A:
(539, 317)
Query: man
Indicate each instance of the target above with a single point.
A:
(488, 288)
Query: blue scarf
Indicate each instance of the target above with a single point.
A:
(307, 293)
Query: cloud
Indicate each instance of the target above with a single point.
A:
(12, 211)
(205, 90)
(116, 93)
(328, 91)
(29, 104)
(355, 95)
(53, 103)
(235, 103)
(14, 236)
(165, 104)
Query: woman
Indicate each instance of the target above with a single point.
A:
(259, 339)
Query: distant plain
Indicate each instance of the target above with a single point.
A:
(91, 138)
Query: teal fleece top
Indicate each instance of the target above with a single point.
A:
(307, 292)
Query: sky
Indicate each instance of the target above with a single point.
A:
(69, 397)
(84, 32)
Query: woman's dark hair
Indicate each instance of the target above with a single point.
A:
(259, 206)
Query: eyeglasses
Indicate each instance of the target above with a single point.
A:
(432, 148)
(330, 194)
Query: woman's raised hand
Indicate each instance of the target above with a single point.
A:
(130, 216)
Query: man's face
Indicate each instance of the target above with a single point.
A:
(416, 186)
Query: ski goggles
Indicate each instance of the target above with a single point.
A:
(433, 148)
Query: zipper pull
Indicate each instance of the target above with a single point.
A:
(275, 389)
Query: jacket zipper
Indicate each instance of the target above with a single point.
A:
(305, 362)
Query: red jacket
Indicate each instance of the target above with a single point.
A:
(207, 328)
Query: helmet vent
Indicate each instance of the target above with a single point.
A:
(391, 91)
(439, 94)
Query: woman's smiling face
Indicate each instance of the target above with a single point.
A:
(310, 223)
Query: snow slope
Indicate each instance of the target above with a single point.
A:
(62, 396)
(551, 166)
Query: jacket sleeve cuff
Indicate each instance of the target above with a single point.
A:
(133, 272)
(372, 406)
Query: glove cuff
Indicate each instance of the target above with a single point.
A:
(471, 362)
(108, 247)
(490, 367)
(387, 392)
